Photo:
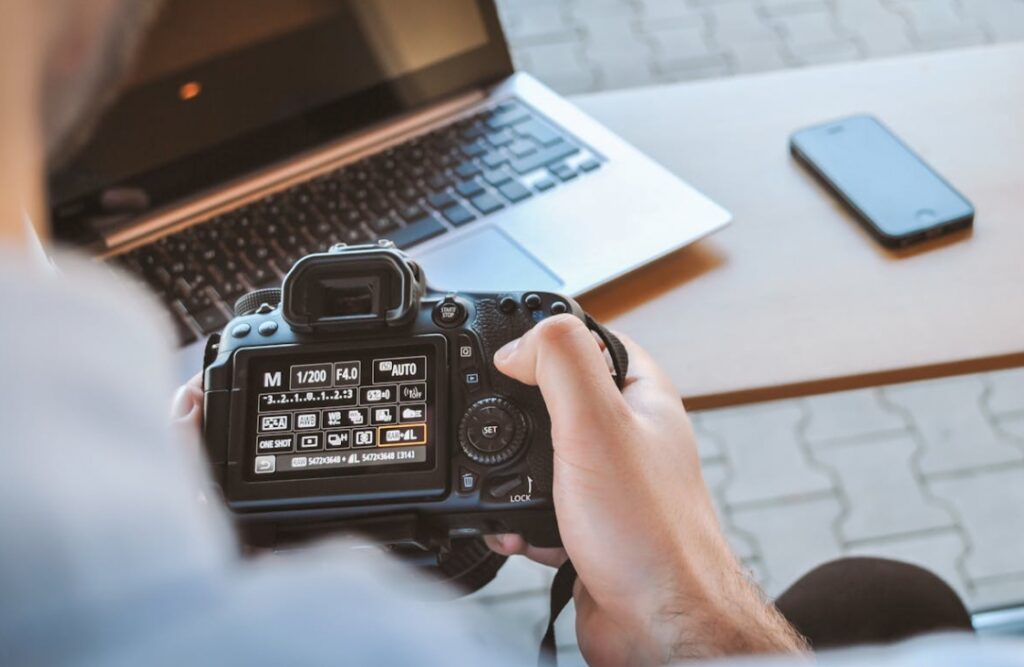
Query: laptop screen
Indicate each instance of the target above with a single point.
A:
(223, 88)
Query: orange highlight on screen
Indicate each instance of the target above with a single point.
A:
(419, 430)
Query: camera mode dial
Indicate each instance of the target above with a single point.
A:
(260, 301)
(492, 431)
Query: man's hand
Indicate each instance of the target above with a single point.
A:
(187, 417)
(657, 580)
(187, 405)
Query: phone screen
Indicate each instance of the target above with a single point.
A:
(892, 189)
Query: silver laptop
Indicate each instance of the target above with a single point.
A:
(253, 132)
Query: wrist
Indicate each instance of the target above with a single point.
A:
(714, 609)
(728, 618)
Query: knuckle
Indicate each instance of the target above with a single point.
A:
(561, 330)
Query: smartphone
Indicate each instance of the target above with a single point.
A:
(894, 193)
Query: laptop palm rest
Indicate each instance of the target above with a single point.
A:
(485, 260)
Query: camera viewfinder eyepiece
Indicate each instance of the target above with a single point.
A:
(352, 287)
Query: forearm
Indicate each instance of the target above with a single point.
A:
(722, 612)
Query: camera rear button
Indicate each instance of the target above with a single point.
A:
(467, 480)
(491, 429)
(241, 330)
(449, 312)
(268, 328)
(467, 352)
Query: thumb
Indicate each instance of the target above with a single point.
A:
(563, 359)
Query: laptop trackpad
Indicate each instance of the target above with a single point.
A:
(485, 261)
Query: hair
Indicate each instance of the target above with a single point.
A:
(72, 102)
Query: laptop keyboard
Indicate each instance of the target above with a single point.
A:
(412, 192)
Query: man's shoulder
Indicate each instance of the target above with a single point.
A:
(76, 299)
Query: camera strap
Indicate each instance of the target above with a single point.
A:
(561, 593)
(616, 350)
(565, 579)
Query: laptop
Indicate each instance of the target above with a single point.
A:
(253, 132)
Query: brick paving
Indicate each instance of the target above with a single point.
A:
(589, 45)
(929, 472)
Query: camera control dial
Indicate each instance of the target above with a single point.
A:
(492, 431)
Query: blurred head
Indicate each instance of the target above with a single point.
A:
(89, 48)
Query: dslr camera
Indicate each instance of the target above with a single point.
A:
(356, 399)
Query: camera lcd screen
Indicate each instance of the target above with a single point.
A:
(341, 413)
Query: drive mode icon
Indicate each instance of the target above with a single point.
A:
(413, 413)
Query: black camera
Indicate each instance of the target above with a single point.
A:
(356, 399)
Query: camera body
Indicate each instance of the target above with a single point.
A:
(365, 402)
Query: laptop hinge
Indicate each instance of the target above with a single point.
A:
(283, 174)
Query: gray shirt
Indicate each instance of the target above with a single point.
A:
(106, 557)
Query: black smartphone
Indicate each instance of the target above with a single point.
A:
(898, 197)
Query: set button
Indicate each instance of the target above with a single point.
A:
(492, 431)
